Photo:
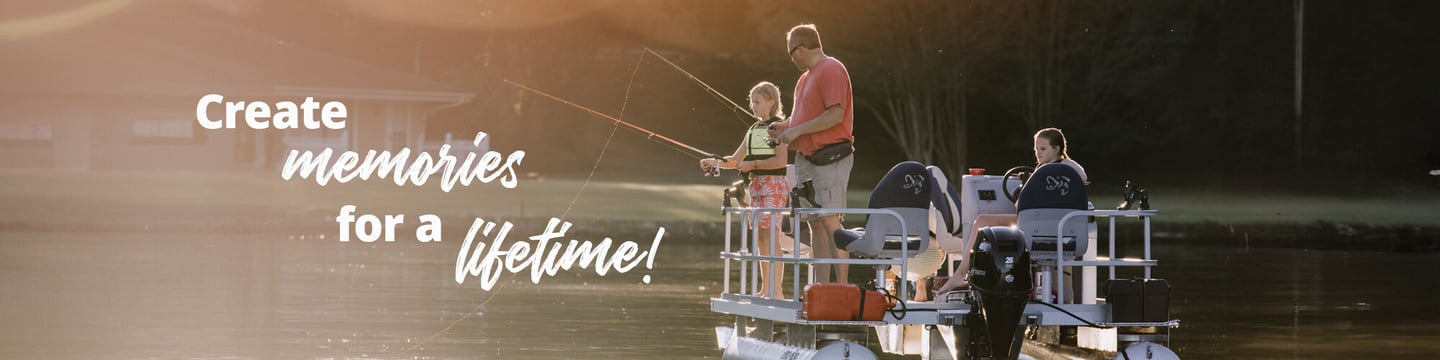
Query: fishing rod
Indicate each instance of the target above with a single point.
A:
(708, 88)
(649, 134)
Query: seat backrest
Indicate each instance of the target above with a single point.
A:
(1053, 191)
(945, 214)
(906, 189)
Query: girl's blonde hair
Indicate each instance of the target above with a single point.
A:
(1056, 138)
(765, 88)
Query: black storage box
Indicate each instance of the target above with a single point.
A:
(1123, 295)
(1157, 300)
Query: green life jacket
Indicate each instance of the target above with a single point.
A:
(758, 146)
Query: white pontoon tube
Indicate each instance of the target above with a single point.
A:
(744, 348)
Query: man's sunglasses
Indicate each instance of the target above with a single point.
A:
(792, 50)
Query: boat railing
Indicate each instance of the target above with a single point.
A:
(743, 250)
(1110, 259)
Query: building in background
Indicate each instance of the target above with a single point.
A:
(118, 91)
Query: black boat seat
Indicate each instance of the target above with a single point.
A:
(906, 189)
(1053, 191)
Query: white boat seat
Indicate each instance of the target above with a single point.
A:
(944, 203)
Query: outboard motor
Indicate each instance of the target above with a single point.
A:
(1000, 275)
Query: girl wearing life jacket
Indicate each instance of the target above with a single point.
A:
(764, 165)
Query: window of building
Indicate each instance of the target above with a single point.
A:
(166, 129)
(26, 131)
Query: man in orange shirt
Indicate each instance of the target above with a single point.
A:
(820, 129)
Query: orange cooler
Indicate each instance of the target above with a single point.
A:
(844, 302)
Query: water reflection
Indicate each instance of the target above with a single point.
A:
(80, 295)
(1284, 303)
(133, 295)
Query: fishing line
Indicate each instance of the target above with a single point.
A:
(673, 144)
(583, 186)
(649, 134)
(480, 110)
(748, 116)
(615, 128)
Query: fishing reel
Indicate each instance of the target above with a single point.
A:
(712, 171)
(735, 191)
(805, 190)
(770, 137)
(1134, 195)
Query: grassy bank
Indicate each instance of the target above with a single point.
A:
(49, 196)
(91, 197)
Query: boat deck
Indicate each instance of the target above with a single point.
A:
(1089, 311)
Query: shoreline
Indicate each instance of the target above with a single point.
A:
(1318, 235)
(255, 203)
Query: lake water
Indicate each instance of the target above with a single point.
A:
(136, 295)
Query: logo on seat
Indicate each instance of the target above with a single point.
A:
(914, 181)
(1061, 183)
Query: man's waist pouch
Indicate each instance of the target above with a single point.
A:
(829, 154)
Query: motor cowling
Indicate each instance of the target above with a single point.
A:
(1001, 277)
